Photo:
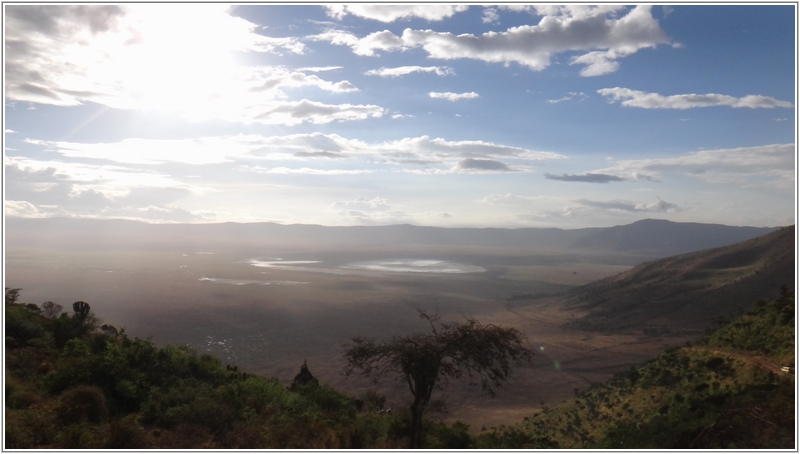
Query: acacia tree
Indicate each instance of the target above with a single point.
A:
(426, 360)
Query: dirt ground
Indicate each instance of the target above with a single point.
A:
(269, 320)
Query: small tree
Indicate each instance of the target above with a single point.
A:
(51, 309)
(484, 352)
(12, 294)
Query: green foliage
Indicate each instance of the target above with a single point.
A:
(720, 393)
(766, 330)
(70, 386)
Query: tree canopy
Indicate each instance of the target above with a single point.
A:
(485, 353)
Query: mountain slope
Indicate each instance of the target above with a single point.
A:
(660, 238)
(688, 291)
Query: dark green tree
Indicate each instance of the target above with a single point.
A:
(484, 352)
(12, 294)
(304, 378)
(51, 309)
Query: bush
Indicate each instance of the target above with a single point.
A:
(82, 403)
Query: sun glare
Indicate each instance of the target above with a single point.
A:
(181, 61)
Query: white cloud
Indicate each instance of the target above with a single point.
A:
(598, 209)
(363, 204)
(137, 57)
(413, 151)
(32, 176)
(408, 151)
(512, 199)
(594, 30)
(54, 188)
(295, 112)
(481, 166)
(306, 171)
(761, 166)
(391, 13)
(366, 46)
(490, 16)
(199, 151)
(20, 208)
(628, 206)
(131, 56)
(585, 178)
(635, 98)
(316, 69)
(10, 131)
(369, 211)
(273, 78)
(404, 70)
(570, 96)
(453, 96)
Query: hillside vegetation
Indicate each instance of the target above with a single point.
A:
(727, 391)
(689, 291)
(74, 383)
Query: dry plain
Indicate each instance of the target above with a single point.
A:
(303, 304)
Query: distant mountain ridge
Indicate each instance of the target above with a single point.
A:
(649, 238)
(689, 291)
(664, 238)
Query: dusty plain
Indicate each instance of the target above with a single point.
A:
(268, 320)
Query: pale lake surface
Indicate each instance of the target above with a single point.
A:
(381, 266)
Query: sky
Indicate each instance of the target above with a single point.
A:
(376, 114)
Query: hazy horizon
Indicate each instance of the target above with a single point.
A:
(435, 115)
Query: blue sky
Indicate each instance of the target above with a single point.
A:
(428, 114)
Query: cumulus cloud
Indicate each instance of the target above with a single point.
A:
(594, 30)
(366, 46)
(760, 166)
(273, 78)
(305, 111)
(585, 178)
(404, 70)
(490, 16)
(452, 96)
(635, 98)
(391, 13)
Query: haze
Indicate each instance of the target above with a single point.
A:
(264, 182)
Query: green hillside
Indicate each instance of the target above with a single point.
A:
(74, 383)
(727, 391)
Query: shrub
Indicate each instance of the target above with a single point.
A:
(82, 403)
